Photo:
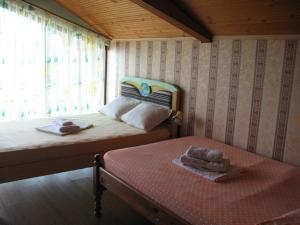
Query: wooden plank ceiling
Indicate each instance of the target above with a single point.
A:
(246, 17)
(121, 19)
(124, 19)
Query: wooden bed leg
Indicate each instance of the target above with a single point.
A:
(98, 188)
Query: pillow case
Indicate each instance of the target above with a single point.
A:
(146, 115)
(119, 106)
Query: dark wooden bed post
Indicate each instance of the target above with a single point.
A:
(98, 188)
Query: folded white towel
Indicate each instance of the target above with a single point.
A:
(54, 128)
(211, 155)
(233, 171)
(63, 122)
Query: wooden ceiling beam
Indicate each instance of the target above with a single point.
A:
(171, 13)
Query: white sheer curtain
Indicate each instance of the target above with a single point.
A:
(48, 66)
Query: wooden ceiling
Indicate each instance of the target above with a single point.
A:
(128, 19)
(246, 17)
(121, 19)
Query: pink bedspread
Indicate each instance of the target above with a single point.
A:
(267, 188)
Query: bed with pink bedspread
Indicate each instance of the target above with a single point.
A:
(265, 190)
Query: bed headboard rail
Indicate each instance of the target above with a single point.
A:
(160, 97)
(155, 91)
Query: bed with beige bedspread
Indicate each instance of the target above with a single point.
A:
(26, 152)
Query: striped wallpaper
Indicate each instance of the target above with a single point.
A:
(242, 92)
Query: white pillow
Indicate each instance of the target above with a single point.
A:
(119, 106)
(146, 115)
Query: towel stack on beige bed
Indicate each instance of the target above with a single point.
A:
(205, 159)
(66, 125)
(62, 126)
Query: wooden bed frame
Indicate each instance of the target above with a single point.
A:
(79, 159)
(143, 89)
(103, 180)
(154, 212)
(263, 180)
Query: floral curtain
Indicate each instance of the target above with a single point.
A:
(48, 66)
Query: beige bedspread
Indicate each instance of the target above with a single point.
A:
(21, 143)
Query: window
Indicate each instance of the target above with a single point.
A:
(48, 66)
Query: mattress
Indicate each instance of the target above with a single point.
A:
(21, 143)
(265, 190)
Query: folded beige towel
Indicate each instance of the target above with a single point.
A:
(211, 155)
(222, 166)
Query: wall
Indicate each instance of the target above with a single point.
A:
(244, 92)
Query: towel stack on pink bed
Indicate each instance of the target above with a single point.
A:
(205, 159)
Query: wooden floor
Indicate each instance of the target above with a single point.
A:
(61, 199)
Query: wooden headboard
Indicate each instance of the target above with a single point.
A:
(155, 91)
